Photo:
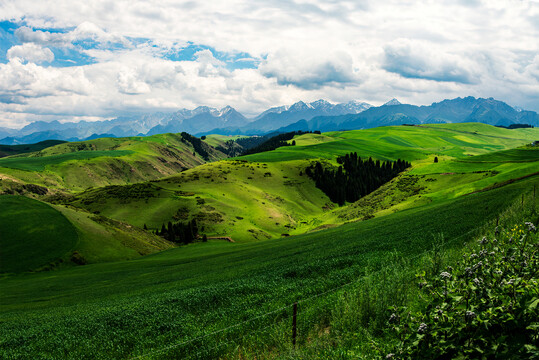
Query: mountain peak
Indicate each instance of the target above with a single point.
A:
(320, 103)
(300, 105)
(392, 102)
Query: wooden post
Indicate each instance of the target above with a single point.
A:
(294, 321)
(497, 220)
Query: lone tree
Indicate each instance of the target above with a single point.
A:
(436, 159)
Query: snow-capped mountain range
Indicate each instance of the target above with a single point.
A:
(318, 115)
(200, 120)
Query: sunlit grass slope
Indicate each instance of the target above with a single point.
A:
(268, 195)
(125, 309)
(79, 165)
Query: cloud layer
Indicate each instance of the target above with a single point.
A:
(105, 58)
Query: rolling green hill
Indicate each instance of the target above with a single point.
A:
(75, 166)
(36, 236)
(267, 195)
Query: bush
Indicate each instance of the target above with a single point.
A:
(487, 307)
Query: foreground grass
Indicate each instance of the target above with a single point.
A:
(490, 310)
(126, 309)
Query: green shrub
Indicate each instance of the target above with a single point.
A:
(486, 307)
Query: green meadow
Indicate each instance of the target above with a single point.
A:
(115, 290)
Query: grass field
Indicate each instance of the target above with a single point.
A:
(125, 309)
(33, 234)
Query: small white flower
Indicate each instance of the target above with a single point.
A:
(470, 315)
(445, 275)
(422, 328)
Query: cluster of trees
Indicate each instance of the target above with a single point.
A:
(274, 142)
(184, 233)
(198, 145)
(355, 177)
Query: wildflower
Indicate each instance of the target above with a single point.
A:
(445, 275)
(422, 328)
(473, 255)
(469, 271)
(390, 356)
(511, 281)
(476, 281)
(470, 315)
(484, 240)
(497, 230)
(531, 227)
(392, 318)
(498, 272)
(478, 265)
(492, 253)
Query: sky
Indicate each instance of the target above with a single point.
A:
(73, 60)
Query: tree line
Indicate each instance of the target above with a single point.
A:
(355, 177)
(274, 142)
(183, 233)
(197, 145)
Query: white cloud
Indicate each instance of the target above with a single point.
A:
(303, 49)
(425, 61)
(309, 69)
(31, 53)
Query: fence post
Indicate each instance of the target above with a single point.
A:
(294, 320)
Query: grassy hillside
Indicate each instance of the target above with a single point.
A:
(104, 240)
(267, 195)
(125, 309)
(33, 234)
(77, 166)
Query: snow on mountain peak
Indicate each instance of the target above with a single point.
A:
(392, 102)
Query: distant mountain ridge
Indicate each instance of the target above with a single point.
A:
(468, 109)
(317, 115)
(202, 119)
